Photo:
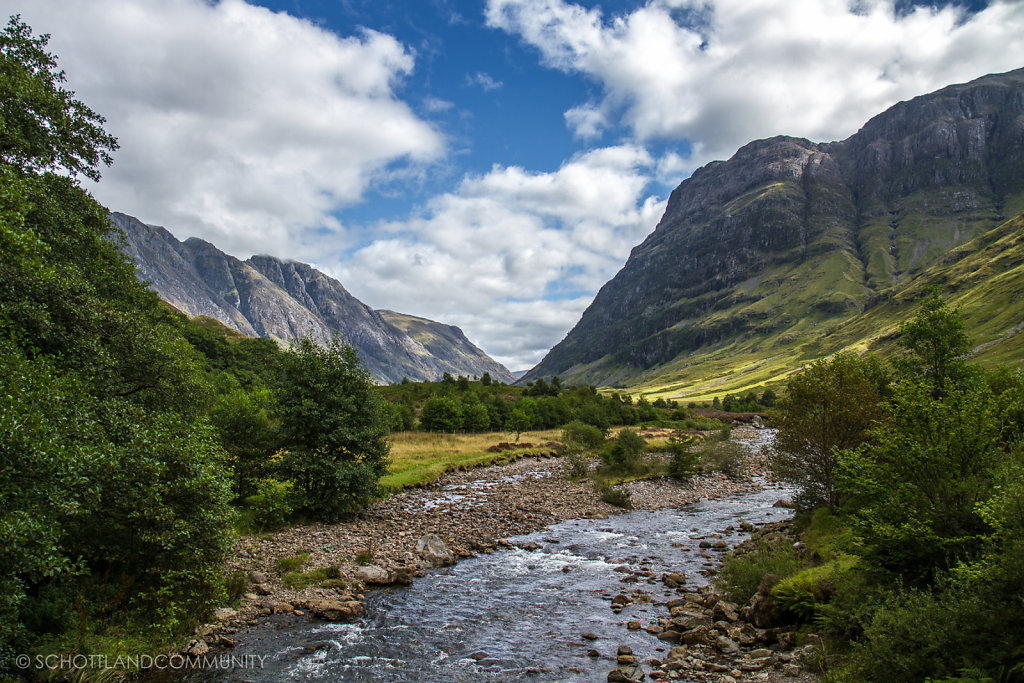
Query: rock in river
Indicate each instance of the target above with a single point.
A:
(432, 549)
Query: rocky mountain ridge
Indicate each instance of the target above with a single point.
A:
(284, 300)
(760, 254)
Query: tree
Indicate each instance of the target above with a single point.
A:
(519, 421)
(333, 427)
(441, 414)
(828, 407)
(44, 128)
(485, 379)
(104, 402)
(935, 343)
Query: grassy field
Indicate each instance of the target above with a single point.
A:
(419, 458)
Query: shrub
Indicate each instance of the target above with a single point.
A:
(579, 466)
(579, 437)
(684, 462)
(270, 506)
(299, 580)
(624, 454)
(742, 573)
(727, 457)
(615, 496)
(291, 563)
(828, 407)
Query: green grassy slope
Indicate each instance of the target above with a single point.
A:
(985, 276)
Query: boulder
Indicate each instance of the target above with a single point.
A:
(689, 620)
(224, 613)
(726, 611)
(626, 674)
(432, 549)
(674, 580)
(195, 648)
(335, 610)
(257, 577)
(371, 574)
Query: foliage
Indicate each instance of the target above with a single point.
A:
(44, 127)
(624, 454)
(115, 509)
(741, 574)
(579, 437)
(333, 425)
(917, 484)
(297, 580)
(441, 414)
(271, 505)
(684, 460)
(292, 563)
(618, 497)
(935, 343)
(727, 457)
(828, 407)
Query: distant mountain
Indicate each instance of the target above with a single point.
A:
(284, 300)
(759, 258)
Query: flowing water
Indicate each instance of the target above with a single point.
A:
(514, 614)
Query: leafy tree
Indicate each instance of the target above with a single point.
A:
(935, 343)
(247, 428)
(44, 128)
(441, 414)
(475, 417)
(828, 407)
(519, 421)
(485, 379)
(623, 454)
(333, 427)
(112, 480)
(917, 485)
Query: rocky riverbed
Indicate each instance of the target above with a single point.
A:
(475, 512)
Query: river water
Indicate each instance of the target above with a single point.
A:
(512, 615)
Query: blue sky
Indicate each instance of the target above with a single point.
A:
(487, 164)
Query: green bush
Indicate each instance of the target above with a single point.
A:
(271, 506)
(299, 580)
(292, 563)
(579, 437)
(685, 461)
(615, 496)
(742, 573)
(727, 457)
(624, 454)
(579, 466)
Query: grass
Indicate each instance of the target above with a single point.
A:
(294, 563)
(419, 458)
(328, 577)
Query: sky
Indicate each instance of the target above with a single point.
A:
(490, 163)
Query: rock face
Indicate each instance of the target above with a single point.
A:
(790, 236)
(285, 300)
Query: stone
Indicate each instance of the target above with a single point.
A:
(195, 648)
(688, 620)
(626, 674)
(593, 653)
(335, 610)
(726, 645)
(588, 636)
(725, 610)
(257, 577)
(674, 580)
(695, 636)
(224, 613)
(634, 625)
(434, 550)
(261, 589)
(371, 574)
(624, 650)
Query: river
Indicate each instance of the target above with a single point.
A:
(513, 614)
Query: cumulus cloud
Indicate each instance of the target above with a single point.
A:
(720, 73)
(512, 256)
(237, 124)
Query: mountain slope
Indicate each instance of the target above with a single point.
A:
(284, 300)
(763, 253)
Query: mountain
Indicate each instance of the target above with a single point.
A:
(760, 257)
(284, 300)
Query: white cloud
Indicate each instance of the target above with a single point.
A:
(720, 73)
(511, 256)
(484, 80)
(236, 124)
